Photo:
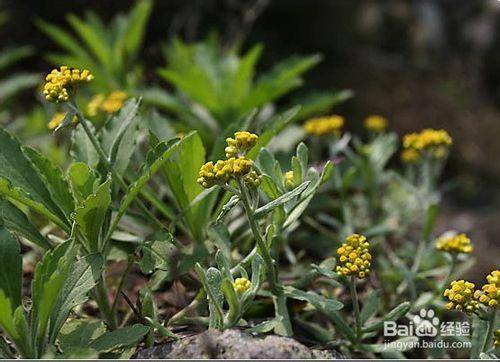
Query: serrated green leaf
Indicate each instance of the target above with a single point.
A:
(16, 221)
(82, 180)
(54, 180)
(21, 175)
(83, 276)
(90, 216)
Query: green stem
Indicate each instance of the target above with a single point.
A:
(489, 331)
(355, 303)
(450, 272)
(272, 276)
(102, 299)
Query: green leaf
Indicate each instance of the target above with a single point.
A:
(54, 180)
(120, 135)
(136, 28)
(370, 306)
(228, 206)
(26, 184)
(266, 326)
(479, 333)
(49, 277)
(155, 160)
(122, 337)
(158, 255)
(67, 120)
(93, 40)
(10, 268)
(16, 221)
(181, 172)
(82, 149)
(211, 281)
(232, 301)
(7, 316)
(82, 277)
(290, 195)
(323, 304)
(83, 181)
(91, 214)
(78, 333)
(16, 83)
(393, 315)
(17, 194)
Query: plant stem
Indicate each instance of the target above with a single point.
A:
(103, 301)
(450, 272)
(272, 276)
(355, 303)
(489, 331)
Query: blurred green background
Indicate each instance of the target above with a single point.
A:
(419, 63)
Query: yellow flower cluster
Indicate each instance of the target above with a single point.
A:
(409, 156)
(354, 256)
(496, 336)
(220, 172)
(57, 119)
(242, 142)
(455, 244)
(460, 294)
(253, 179)
(489, 294)
(436, 141)
(59, 82)
(289, 182)
(110, 104)
(241, 285)
(375, 123)
(324, 125)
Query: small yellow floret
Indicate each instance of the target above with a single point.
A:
(211, 174)
(489, 295)
(253, 179)
(110, 104)
(57, 119)
(354, 257)
(242, 142)
(60, 82)
(410, 156)
(375, 123)
(455, 244)
(324, 125)
(289, 181)
(241, 285)
(460, 294)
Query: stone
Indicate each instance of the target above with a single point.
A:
(234, 344)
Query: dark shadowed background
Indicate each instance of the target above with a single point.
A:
(420, 63)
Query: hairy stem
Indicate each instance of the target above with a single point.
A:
(272, 276)
(355, 303)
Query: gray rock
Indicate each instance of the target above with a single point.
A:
(233, 343)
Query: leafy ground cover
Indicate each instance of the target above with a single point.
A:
(160, 213)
